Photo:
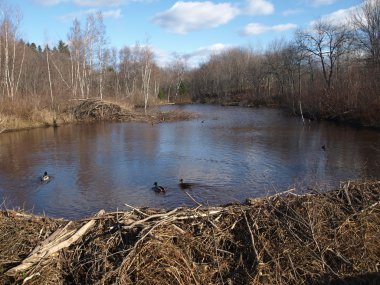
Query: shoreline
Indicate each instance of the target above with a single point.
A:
(154, 117)
(91, 113)
(344, 119)
(284, 238)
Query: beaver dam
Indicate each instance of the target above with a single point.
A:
(287, 238)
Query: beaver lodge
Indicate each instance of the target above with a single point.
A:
(330, 237)
(100, 110)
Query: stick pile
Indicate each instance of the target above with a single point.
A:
(96, 110)
(99, 110)
(283, 239)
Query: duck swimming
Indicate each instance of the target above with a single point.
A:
(45, 177)
(184, 185)
(158, 189)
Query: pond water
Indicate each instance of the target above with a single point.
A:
(229, 153)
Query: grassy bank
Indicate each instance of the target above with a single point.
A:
(28, 113)
(283, 239)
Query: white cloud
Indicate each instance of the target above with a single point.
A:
(115, 14)
(283, 27)
(259, 7)
(203, 54)
(338, 17)
(212, 49)
(90, 3)
(193, 59)
(257, 28)
(106, 14)
(291, 12)
(49, 2)
(162, 57)
(97, 3)
(184, 17)
(322, 2)
(254, 29)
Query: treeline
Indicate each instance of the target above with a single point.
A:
(81, 67)
(327, 71)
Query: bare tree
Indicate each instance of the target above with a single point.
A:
(9, 30)
(87, 55)
(101, 40)
(146, 71)
(327, 42)
(89, 38)
(125, 70)
(49, 76)
(366, 20)
(179, 68)
(115, 72)
(76, 54)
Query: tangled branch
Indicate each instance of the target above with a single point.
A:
(282, 239)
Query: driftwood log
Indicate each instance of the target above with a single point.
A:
(61, 238)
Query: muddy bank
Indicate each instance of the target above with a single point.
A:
(283, 239)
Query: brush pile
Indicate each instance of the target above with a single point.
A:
(282, 239)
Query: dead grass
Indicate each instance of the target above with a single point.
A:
(316, 238)
(32, 112)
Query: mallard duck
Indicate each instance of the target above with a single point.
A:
(184, 185)
(45, 177)
(157, 188)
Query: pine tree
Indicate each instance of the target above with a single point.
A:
(62, 47)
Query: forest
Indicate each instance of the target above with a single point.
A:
(327, 71)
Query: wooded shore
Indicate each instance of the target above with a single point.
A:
(93, 109)
(288, 238)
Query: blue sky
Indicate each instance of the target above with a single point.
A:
(192, 28)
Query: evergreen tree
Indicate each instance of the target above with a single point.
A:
(47, 48)
(62, 47)
(182, 89)
(33, 46)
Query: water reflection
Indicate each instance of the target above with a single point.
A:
(233, 154)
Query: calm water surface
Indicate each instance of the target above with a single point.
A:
(229, 153)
